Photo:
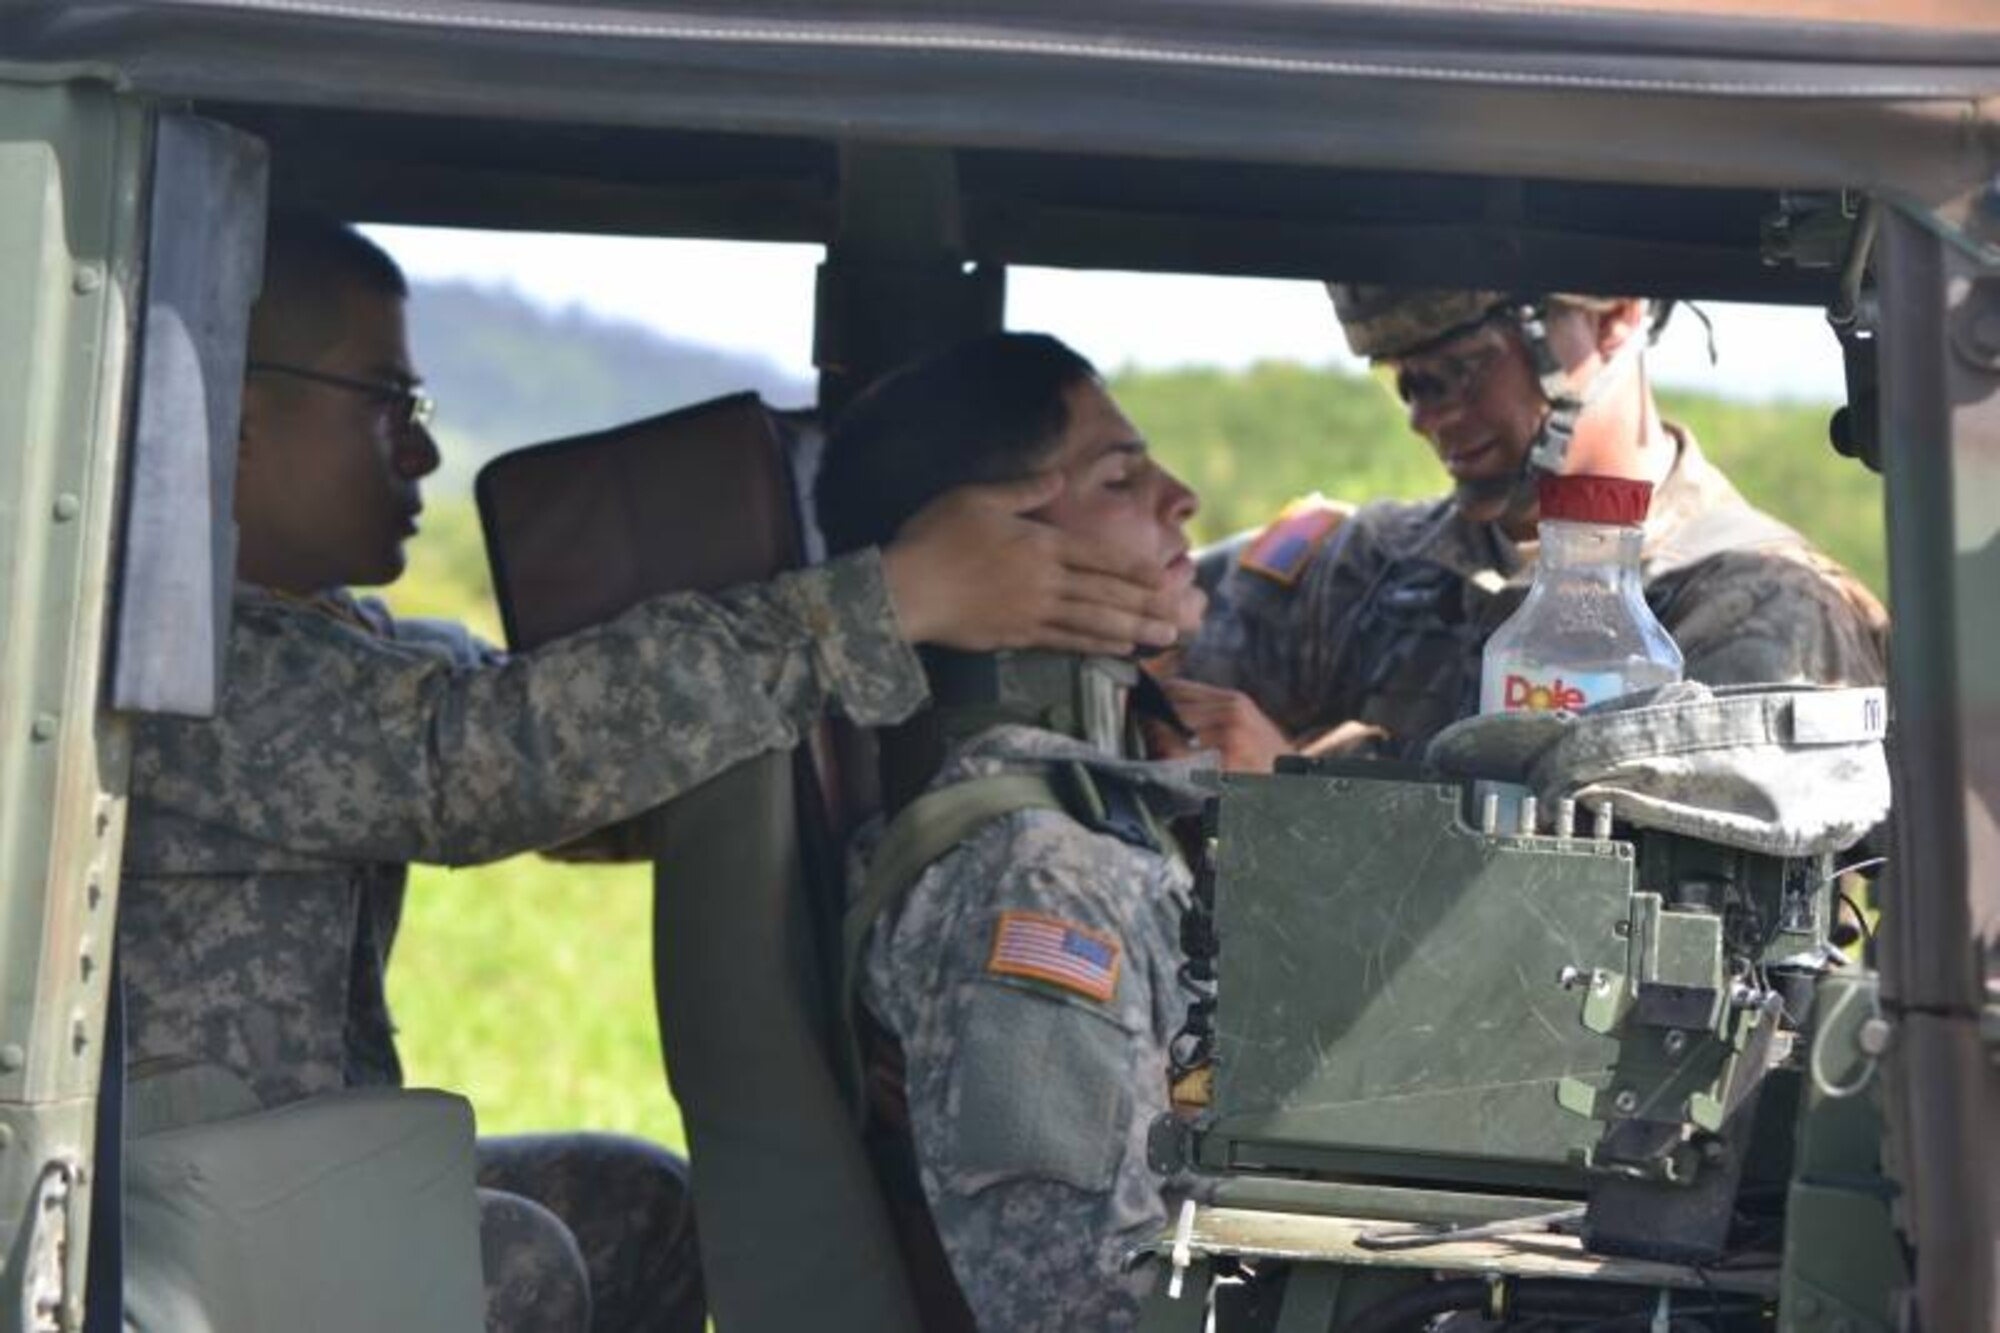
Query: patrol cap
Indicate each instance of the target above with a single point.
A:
(1398, 321)
(1786, 770)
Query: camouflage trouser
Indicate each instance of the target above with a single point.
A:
(625, 1221)
(535, 1277)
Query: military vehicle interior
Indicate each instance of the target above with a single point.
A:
(1776, 192)
(986, 205)
(919, 239)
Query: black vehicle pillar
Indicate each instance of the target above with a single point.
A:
(896, 282)
(1940, 432)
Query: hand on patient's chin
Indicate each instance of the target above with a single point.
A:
(969, 571)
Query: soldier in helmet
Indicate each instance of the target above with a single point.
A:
(1336, 630)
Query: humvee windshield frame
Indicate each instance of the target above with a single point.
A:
(1727, 152)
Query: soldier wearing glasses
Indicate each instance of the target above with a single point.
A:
(267, 847)
(1361, 631)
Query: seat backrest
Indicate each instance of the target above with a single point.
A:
(354, 1210)
(791, 1218)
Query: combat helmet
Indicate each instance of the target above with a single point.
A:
(1384, 323)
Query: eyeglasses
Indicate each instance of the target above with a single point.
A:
(1442, 381)
(413, 406)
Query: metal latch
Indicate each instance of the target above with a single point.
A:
(1182, 1254)
(52, 1276)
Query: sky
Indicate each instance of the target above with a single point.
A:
(758, 298)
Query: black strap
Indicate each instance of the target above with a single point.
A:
(1150, 702)
(104, 1289)
(1108, 803)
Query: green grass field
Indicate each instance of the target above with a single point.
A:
(526, 984)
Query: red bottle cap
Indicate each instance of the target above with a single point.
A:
(1586, 499)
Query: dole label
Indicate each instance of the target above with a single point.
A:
(1521, 693)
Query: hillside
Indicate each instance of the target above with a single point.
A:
(508, 372)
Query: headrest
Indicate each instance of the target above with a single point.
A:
(1785, 770)
(580, 529)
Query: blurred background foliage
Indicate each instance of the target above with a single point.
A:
(527, 984)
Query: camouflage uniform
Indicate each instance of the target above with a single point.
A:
(265, 855)
(1029, 1100)
(623, 1200)
(1386, 623)
(536, 1275)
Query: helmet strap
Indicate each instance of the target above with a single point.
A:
(1567, 403)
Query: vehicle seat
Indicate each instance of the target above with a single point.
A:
(354, 1210)
(792, 1220)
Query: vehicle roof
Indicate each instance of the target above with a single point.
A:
(1567, 142)
(1845, 49)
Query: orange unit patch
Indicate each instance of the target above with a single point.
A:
(1282, 550)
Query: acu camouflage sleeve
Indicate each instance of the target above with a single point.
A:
(1745, 617)
(1029, 1103)
(335, 742)
(1282, 644)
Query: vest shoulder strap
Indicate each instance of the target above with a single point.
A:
(921, 832)
(942, 818)
(925, 830)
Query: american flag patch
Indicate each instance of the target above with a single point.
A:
(1281, 550)
(1048, 948)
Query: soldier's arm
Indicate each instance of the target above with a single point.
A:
(1746, 617)
(1027, 1260)
(332, 741)
(1029, 1098)
(1275, 631)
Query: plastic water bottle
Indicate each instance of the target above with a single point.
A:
(1584, 634)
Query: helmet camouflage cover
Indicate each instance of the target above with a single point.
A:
(1397, 321)
(1394, 321)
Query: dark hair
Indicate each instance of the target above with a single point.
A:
(308, 261)
(988, 409)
